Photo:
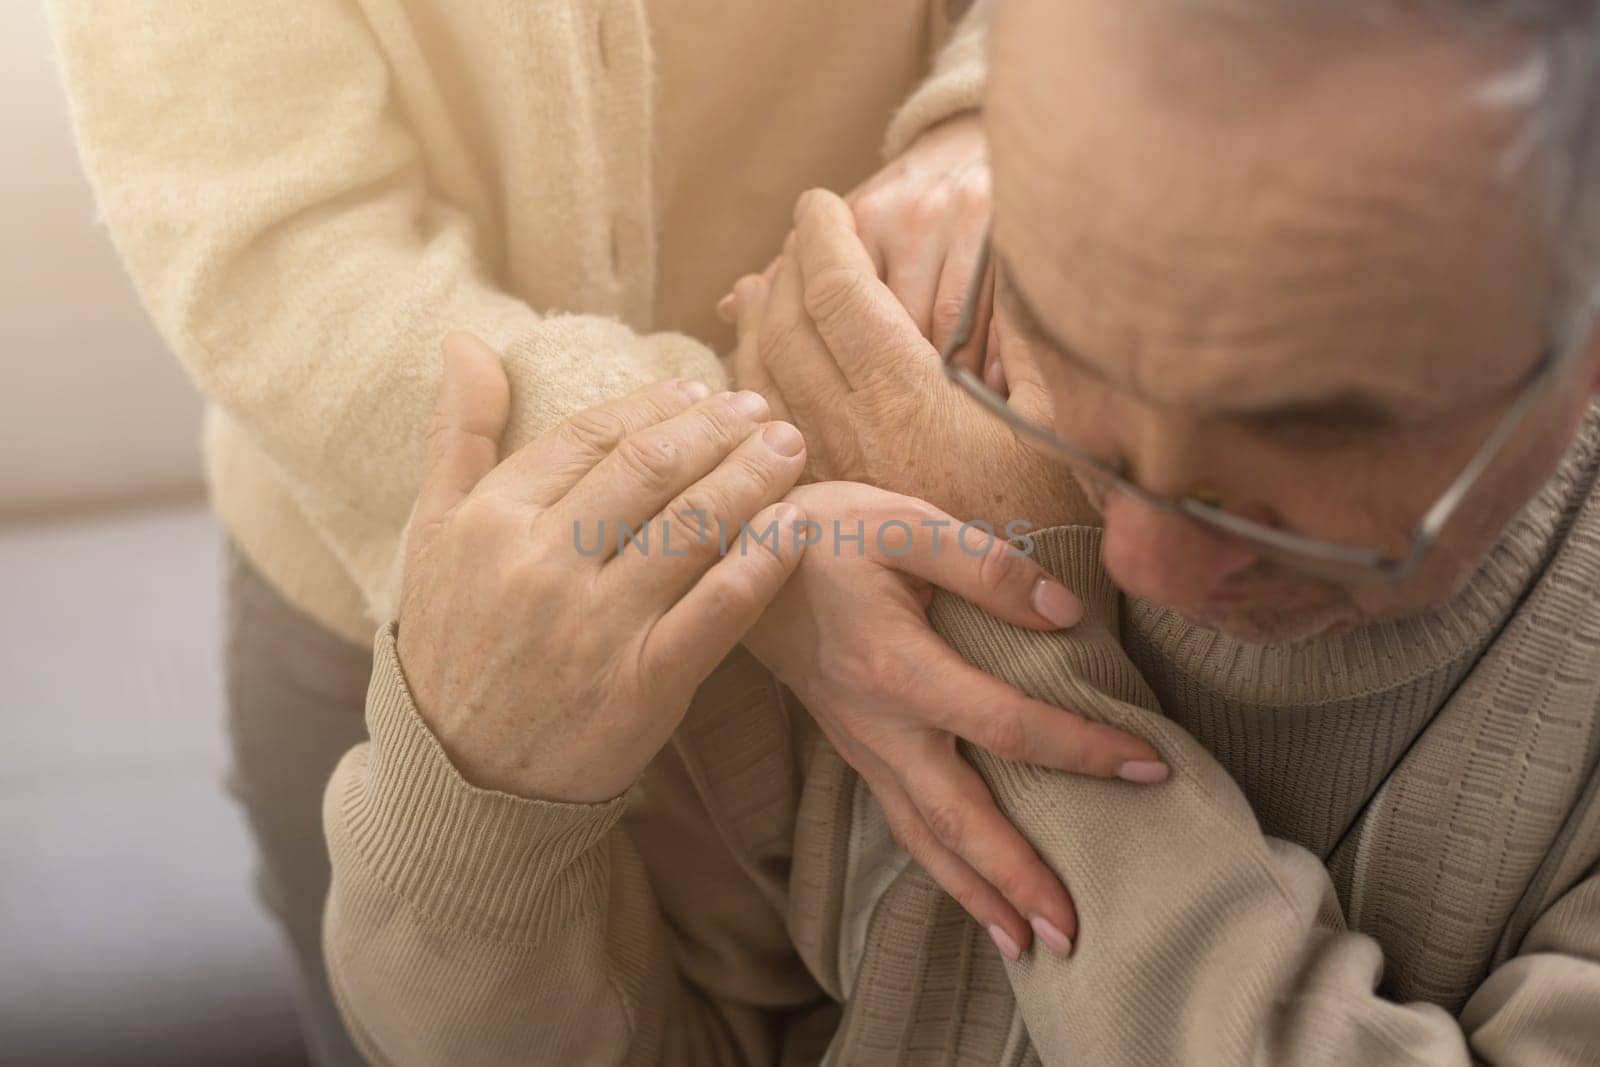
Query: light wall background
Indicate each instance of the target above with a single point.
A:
(94, 410)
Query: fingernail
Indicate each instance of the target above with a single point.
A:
(783, 439)
(1144, 771)
(1054, 939)
(694, 390)
(1002, 941)
(749, 403)
(725, 307)
(1055, 602)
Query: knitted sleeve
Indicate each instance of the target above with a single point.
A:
(466, 926)
(1201, 940)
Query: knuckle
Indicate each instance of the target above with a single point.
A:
(948, 822)
(874, 207)
(947, 311)
(597, 429)
(1005, 734)
(930, 206)
(969, 897)
(1013, 882)
(973, 191)
(834, 294)
(1000, 565)
(779, 335)
(692, 524)
(649, 460)
(478, 520)
(734, 590)
(890, 673)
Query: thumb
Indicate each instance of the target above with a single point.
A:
(468, 420)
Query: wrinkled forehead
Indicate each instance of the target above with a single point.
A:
(1220, 174)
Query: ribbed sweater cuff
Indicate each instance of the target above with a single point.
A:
(1072, 555)
(485, 862)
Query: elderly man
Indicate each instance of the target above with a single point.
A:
(1306, 296)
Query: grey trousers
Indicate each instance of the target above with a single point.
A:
(296, 700)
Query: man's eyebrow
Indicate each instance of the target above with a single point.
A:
(1352, 409)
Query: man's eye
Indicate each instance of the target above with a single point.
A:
(1312, 434)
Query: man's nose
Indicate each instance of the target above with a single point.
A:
(1167, 557)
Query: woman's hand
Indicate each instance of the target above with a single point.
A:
(922, 220)
(849, 634)
(547, 663)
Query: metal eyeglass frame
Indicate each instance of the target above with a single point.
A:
(1329, 559)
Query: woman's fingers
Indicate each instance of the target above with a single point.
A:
(546, 469)
(967, 231)
(469, 418)
(649, 467)
(956, 805)
(1006, 926)
(716, 517)
(699, 631)
(914, 266)
(956, 697)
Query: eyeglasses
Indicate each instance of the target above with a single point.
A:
(1333, 560)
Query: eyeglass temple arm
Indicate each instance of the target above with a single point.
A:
(969, 307)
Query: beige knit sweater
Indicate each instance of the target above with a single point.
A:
(309, 196)
(1400, 867)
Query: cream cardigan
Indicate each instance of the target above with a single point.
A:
(309, 196)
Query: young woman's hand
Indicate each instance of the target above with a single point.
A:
(547, 663)
(850, 635)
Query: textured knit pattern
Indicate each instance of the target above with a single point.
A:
(310, 196)
(702, 919)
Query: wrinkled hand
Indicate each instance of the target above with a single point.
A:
(922, 220)
(547, 663)
(850, 635)
(834, 350)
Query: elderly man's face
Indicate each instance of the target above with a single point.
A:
(1282, 262)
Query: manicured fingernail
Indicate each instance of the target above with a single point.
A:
(1002, 941)
(725, 307)
(1144, 771)
(749, 403)
(1054, 939)
(783, 439)
(1053, 601)
(694, 390)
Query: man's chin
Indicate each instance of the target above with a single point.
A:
(1266, 623)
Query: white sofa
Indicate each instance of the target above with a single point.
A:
(129, 932)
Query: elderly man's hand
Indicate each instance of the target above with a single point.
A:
(554, 668)
(850, 635)
(836, 352)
